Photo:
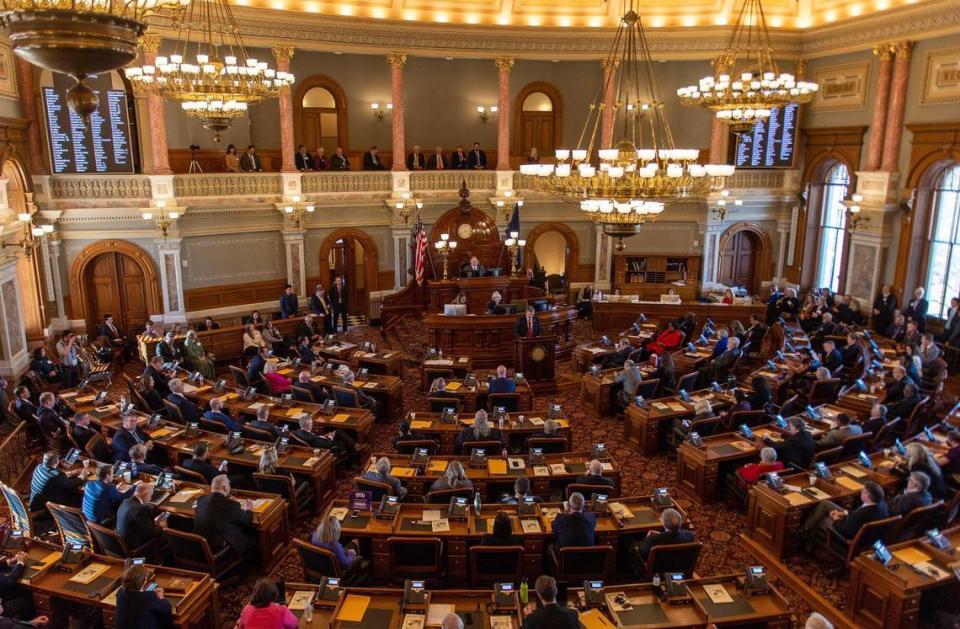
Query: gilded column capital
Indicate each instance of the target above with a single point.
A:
(150, 42)
(609, 64)
(397, 59)
(504, 64)
(902, 49)
(283, 54)
(884, 52)
(800, 68)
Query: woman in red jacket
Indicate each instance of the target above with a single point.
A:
(666, 341)
(768, 463)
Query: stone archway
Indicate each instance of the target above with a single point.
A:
(572, 254)
(762, 251)
(358, 301)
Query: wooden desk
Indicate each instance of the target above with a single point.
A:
(478, 291)
(859, 404)
(644, 428)
(337, 350)
(386, 390)
(613, 529)
(226, 344)
(597, 390)
(613, 317)
(767, 609)
(473, 399)
(491, 485)
(197, 607)
(459, 365)
(685, 362)
(380, 363)
(586, 354)
(891, 596)
(514, 431)
(490, 339)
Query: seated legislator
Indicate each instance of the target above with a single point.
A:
(347, 377)
(832, 359)
(127, 436)
(337, 441)
(161, 381)
(381, 473)
(405, 433)
(304, 383)
(550, 428)
(528, 326)
(797, 447)
(595, 477)
(139, 607)
(217, 414)
(51, 484)
(308, 329)
(845, 523)
(113, 334)
(755, 333)
(521, 491)
(167, 350)
(550, 615)
(22, 405)
(200, 462)
(915, 495)
(138, 462)
(950, 461)
(877, 418)
(751, 472)
(101, 498)
(82, 434)
(502, 384)
(305, 351)
(138, 521)
(256, 366)
(919, 459)
(574, 527)
(719, 369)
(51, 425)
(672, 533)
(473, 269)
(276, 383)
(188, 409)
(723, 338)
(834, 437)
(197, 358)
(898, 328)
(327, 535)
(223, 521)
(262, 422)
(494, 307)
(17, 599)
(265, 609)
(502, 534)
(480, 431)
(454, 477)
(667, 340)
(904, 407)
(619, 356)
(208, 325)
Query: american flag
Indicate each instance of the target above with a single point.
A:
(420, 255)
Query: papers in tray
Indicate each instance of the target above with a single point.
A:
(501, 622)
(440, 526)
(185, 495)
(300, 600)
(260, 504)
(797, 499)
(558, 468)
(549, 513)
(339, 418)
(541, 470)
(530, 526)
(256, 406)
(440, 361)
(431, 515)
(515, 463)
(413, 621)
(88, 574)
(339, 513)
(536, 421)
(437, 612)
(717, 593)
(620, 509)
(849, 483)
(931, 570)
(853, 471)
(606, 467)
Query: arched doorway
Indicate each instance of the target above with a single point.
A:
(352, 254)
(538, 110)
(744, 252)
(118, 278)
(554, 246)
(320, 114)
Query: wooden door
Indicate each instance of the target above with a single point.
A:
(738, 260)
(320, 129)
(347, 258)
(116, 285)
(536, 129)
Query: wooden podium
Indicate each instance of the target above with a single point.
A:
(536, 359)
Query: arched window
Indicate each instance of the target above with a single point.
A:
(832, 225)
(942, 279)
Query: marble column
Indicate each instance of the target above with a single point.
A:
(783, 237)
(54, 249)
(397, 60)
(171, 279)
(880, 102)
(28, 108)
(609, 114)
(14, 357)
(293, 242)
(898, 102)
(603, 260)
(711, 251)
(401, 254)
(504, 66)
(283, 55)
(159, 156)
(718, 142)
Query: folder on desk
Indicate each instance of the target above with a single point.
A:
(340, 418)
(403, 471)
(353, 608)
(796, 499)
(453, 386)
(853, 471)
(849, 483)
(911, 555)
(296, 411)
(594, 619)
(88, 574)
(437, 466)
(497, 466)
(420, 423)
(437, 612)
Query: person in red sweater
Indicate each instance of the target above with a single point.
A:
(667, 341)
(750, 472)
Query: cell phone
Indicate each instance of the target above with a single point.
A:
(151, 586)
(223, 466)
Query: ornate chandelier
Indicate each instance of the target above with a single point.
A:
(210, 74)
(747, 84)
(79, 37)
(625, 185)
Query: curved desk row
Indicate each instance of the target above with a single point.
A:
(615, 317)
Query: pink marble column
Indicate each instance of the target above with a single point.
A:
(718, 141)
(898, 102)
(504, 66)
(159, 155)
(609, 115)
(397, 60)
(880, 102)
(28, 106)
(283, 55)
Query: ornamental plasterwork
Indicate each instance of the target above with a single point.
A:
(100, 187)
(318, 183)
(226, 184)
(450, 180)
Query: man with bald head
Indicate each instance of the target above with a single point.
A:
(223, 521)
(416, 160)
(138, 521)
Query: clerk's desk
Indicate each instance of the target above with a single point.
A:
(357, 422)
(479, 290)
(317, 466)
(646, 609)
(193, 595)
(644, 427)
(893, 596)
(515, 432)
(498, 475)
(612, 317)
(618, 527)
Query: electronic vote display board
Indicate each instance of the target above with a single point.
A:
(103, 144)
(771, 143)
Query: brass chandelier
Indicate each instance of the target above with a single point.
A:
(623, 186)
(747, 85)
(80, 38)
(210, 73)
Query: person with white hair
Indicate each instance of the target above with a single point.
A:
(575, 526)
(481, 430)
(223, 521)
(702, 409)
(672, 533)
(594, 476)
(816, 620)
(451, 621)
(502, 384)
(751, 472)
(494, 307)
(381, 473)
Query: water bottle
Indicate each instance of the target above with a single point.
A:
(441, 353)
(656, 584)
(308, 613)
(476, 503)
(501, 422)
(524, 590)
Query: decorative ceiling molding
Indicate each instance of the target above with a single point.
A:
(310, 31)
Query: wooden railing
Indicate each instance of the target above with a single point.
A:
(15, 456)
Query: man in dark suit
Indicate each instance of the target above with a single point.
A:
(550, 615)
(673, 533)
(828, 515)
(898, 329)
(303, 160)
(217, 414)
(289, 304)
(832, 359)
(528, 326)
(320, 161)
(17, 599)
(459, 159)
(900, 381)
(307, 329)
(437, 161)
(128, 435)
(797, 447)
(884, 307)
(188, 409)
(916, 309)
(405, 434)
(304, 382)
(305, 351)
(719, 368)
(619, 356)
(138, 462)
(250, 161)
(338, 301)
(575, 527)
(773, 304)
(914, 496)
(22, 405)
(200, 463)
(904, 407)
(223, 521)
(82, 434)
(877, 418)
(138, 521)
(371, 160)
(416, 159)
(477, 160)
(951, 328)
(255, 368)
(51, 426)
(262, 422)
(117, 338)
(474, 269)
(339, 161)
(335, 440)
(502, 384)
(755, 332)
(595, 477)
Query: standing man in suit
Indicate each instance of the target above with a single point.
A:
(250, 161)
(303, 160)
(528, 326)
(289, 304)
(320, 161)
(320, 304)
(550, 615)
(884, 307)
(474, 269)
(339, 161)
(338, 301)
(672, 533)
(371, 160)
(437, 161)
(138, 521)
(416, 160)
(916, 310)
(951, 329)
(502, 384)
(478, 158)
(223, 521)
(575, 527)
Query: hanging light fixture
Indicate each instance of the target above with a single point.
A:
(80, 38)
(210, 73)
(724, 204)
(623, 186)
(747, 85)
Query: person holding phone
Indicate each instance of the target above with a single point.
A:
(140, 603)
